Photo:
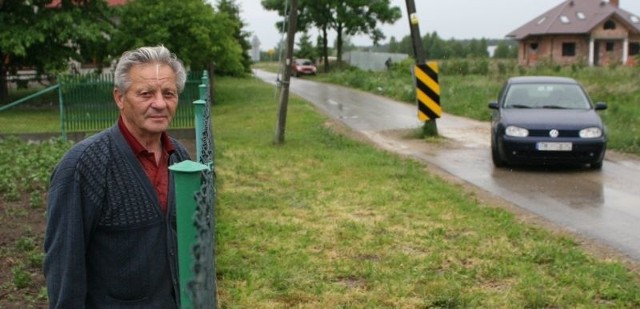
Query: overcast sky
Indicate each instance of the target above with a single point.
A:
(458, 19)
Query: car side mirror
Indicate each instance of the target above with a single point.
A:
(601, 106)
(494, 105)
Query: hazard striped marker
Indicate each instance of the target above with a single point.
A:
(428, 91)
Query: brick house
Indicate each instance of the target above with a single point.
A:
(594, 32)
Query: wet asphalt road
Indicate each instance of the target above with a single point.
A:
(601, 205)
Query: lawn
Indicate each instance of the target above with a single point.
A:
(327, 221)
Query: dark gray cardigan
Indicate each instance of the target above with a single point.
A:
(107, 243)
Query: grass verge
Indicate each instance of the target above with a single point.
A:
(325, 221)
(328, 222)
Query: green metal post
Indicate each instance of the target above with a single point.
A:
(62, 120)
(187, 176)
(199, 108)
(205, 81)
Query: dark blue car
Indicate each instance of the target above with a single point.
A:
(546, 120)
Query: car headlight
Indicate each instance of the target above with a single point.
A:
(516, 131)
(590, 133)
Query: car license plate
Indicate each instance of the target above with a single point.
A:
(542, 146)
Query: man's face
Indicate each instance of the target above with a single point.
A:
(150, 102)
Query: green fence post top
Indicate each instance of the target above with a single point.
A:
(188, 166)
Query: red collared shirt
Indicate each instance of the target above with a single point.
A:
(158, 173)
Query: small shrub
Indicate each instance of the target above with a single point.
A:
(480, 66)
(21, 277)
(36, 200)
(26, 244)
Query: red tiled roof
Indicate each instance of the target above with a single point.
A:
(57, 3)
(576, 17)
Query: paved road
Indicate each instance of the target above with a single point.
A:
(601, 205)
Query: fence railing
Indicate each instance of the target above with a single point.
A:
(86, 102)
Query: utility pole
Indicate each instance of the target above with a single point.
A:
(430, 128)
(286, 78)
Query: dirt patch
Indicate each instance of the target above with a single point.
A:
(21, 254)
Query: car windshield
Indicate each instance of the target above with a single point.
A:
(553, 96)
(304, 62)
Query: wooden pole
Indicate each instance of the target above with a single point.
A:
(286, 78)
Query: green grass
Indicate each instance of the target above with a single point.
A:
(19, 120)
(326, 222)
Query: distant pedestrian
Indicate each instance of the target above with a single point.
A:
(111, 232)
(388, 63)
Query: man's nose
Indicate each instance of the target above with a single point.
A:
(159, 101)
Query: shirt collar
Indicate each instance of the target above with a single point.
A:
(136, 146)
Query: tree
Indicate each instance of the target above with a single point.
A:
(321, 14)
(355, 17)
(478, 49)
(456, 49)
(38, 35)
(310, 13)
(406, 45)
(230, 8)
(394, 46)
(434, 46)
(192, 29)
(505, 50)
(345, 17)
(305, 48)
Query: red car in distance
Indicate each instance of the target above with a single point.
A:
(302, 67)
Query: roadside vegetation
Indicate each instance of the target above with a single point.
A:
(326, 221)
(468, 85)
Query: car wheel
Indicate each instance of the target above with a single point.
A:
(495, 156)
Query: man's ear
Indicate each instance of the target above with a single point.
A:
(118, 97)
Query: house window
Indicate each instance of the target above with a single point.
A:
(609, 46)
(533, 46)
(634, 48)
(568, 49)
(609, 25)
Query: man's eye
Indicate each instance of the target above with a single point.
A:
(169, 95)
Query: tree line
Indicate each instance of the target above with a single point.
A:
(438, 48)
(344, 17)
(356, 17)
(46, 35)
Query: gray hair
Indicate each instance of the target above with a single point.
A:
(144, 55)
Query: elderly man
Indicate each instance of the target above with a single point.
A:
(111, 233)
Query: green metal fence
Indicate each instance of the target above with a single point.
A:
(86, 102)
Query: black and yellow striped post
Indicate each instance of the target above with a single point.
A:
(422, 77)
(428, 91)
